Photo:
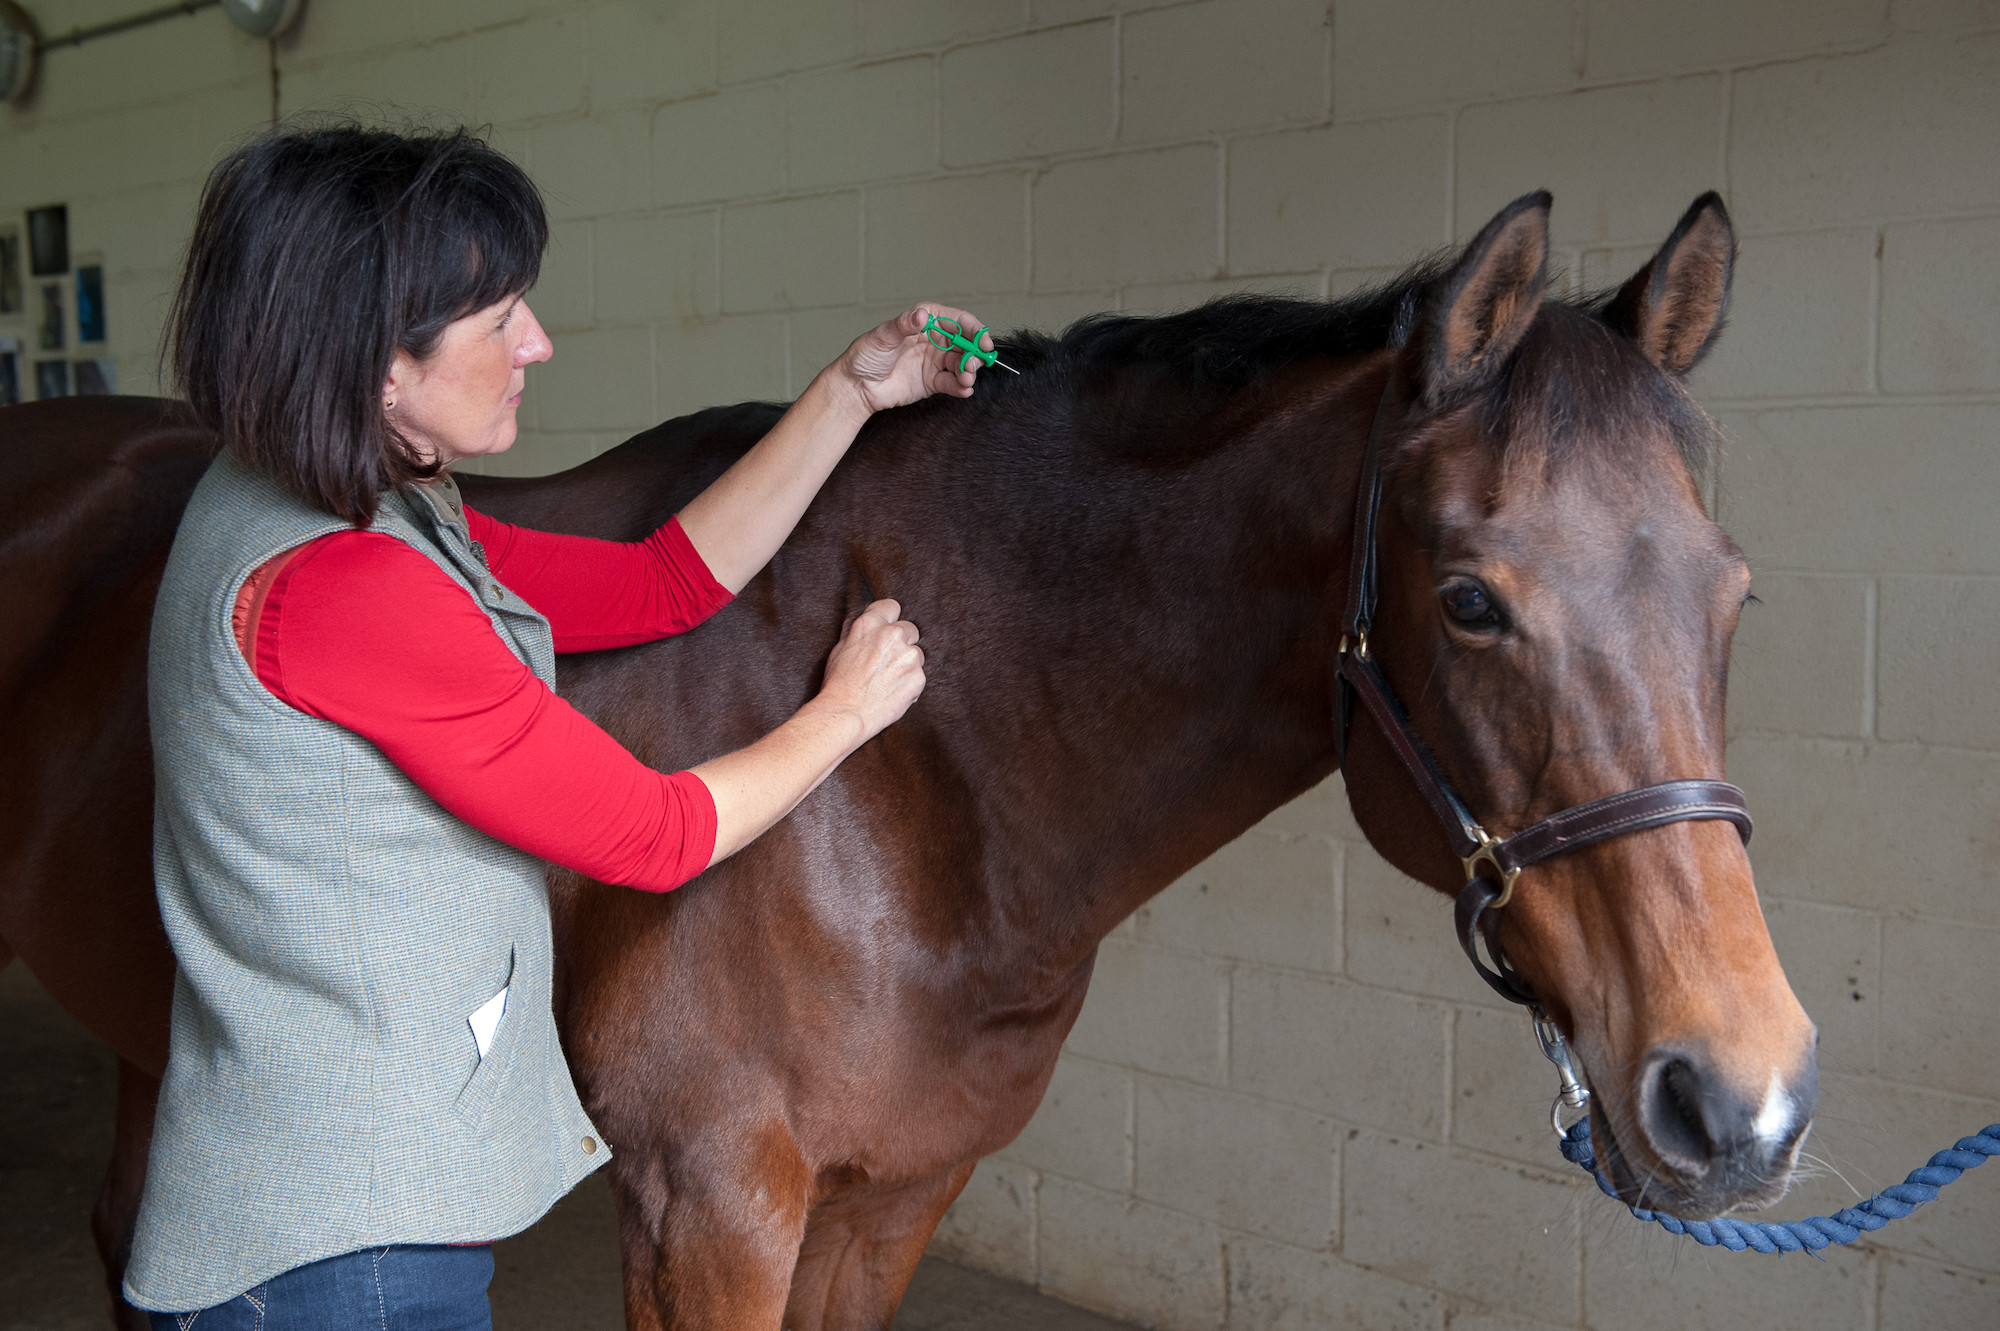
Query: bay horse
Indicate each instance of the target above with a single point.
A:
(1128, 566)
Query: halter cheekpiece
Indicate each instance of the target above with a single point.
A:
(1492, 864)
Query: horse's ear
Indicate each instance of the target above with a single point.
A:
(1674, 306)
(1479, 311)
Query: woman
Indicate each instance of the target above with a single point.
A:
(361, 764)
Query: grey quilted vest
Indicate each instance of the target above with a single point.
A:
(335, 930)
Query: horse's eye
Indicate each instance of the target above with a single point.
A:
(1468, 604)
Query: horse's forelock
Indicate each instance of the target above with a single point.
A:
(1576, 388)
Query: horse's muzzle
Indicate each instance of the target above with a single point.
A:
(1717, 1143)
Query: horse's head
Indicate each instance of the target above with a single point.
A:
(1556, 615)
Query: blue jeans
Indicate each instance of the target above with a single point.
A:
(408, 1288)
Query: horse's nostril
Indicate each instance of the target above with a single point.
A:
(1671, 1112)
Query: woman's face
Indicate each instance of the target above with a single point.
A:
(460, 403)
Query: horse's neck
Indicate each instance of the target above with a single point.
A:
(1135, 665)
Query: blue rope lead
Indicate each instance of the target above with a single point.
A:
(1814, 1232)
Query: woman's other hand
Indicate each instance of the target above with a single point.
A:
(876, 670)
(894, 364)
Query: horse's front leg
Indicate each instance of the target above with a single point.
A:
(861, 1247)
(710, 1231)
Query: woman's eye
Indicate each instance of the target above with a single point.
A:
(1468, 603)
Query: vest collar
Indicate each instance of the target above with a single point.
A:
(440, 496)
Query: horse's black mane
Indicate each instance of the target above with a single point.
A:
(1572, 378)
(1234, 340)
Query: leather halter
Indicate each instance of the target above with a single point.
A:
(1492, 864)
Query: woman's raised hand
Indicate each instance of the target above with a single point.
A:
(894, 364)
(876, 670)
(740, 520)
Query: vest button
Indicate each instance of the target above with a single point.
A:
(590, 1146)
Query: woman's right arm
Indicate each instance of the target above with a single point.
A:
(421, 674)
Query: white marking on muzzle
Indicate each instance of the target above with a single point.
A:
(1775, 1118)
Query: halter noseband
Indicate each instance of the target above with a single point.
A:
(1477, 849)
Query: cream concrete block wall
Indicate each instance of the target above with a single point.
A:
(1288, 1103)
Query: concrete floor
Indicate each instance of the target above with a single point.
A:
(55, 1135)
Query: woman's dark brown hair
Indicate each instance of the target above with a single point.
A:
(318, 251)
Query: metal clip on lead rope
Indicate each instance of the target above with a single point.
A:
(1571, 1094)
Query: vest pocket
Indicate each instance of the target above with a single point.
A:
(490, 1077)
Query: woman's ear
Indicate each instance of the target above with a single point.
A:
(402, 374)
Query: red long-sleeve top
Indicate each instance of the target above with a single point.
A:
(360, 629)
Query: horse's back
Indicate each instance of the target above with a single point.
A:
(91, 489)
(627, 491)
(59, 436)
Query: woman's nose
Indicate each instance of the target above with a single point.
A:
(534, 345)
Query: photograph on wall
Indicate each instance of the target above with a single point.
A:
(90, 304)
(48, 240)
(10, 371)
(96, 377)
(51, 329)
(51, 378)
(12, 295)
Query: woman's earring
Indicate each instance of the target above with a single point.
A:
(389, 404)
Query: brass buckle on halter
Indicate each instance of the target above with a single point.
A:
(1485, 854)
(1360, 644)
